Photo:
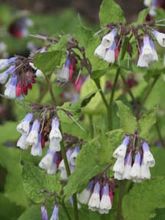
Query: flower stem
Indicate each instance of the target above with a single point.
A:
(110, 109)
(148, 91)
(119, 215)
(159, 134)
(101, 93)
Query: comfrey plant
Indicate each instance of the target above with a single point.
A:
(90, 156)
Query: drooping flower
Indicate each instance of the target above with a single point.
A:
(94, 201)
(24, 125)
(55, 214)
(109, 39)
(50, 162)
(148, 158)
(64, 73)
(55, 135)
(160, 37)
(106, 50)
(20, 75)
(110, 53)
(121, 149)
(22, 143)
(36, 149)
(148, 53)
(44, 214)
(105, 203)
(84, 196)
(135, 170)
(32, 138)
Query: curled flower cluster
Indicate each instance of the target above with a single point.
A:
(133, 162)
(98, 195)
(54, 216)
(109, 48)
(18, 76)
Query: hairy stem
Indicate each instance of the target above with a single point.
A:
(101, 93)
(148, 91)
(119, 215)
(159, 133)
(66, 210)
(128, 89)
(110, 109)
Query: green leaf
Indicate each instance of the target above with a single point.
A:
(93, 158)
(9, 210)
(142, 16)
(110, 12)
(146, 123)
(32, 213)
(36, 181)
(10, 159)
(47, 62)
(127, 120)
(143, 199)
(159, 155)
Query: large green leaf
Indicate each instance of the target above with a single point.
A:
(48, 61)
(32, 213)
(36, 182)
(159, 155)
(10, 159)
(127, 120)
(145, 124)
(110, 12)
(143, 199)
(9, 210)
(93, 158)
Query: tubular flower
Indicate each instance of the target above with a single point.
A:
(18, 74)
(71, 154)
(66, 73)
(148, 53)
(135, 161)
(55, 213)
(160, 37)
(106, 50)
(44, 213)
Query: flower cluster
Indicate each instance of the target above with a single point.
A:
(98, 195)
(18, 76)
(109, 48)
(39, 127)
(75, 61)
(54, 216)
(134, 160)
(36, 131)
